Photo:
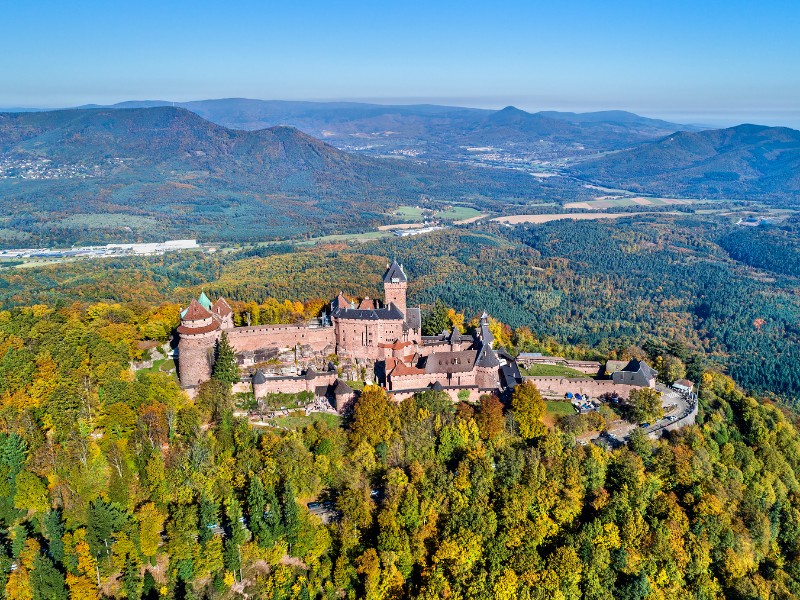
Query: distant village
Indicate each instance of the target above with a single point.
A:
(102, 251)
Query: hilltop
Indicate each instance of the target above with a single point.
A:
(747, 161)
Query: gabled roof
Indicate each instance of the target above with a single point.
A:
(195, 312)
(259, 377)
(455, 335)
(221, 307)
(460, 361)
(204, 301)
(341, 301)
(640, 366)
(436, 386)
(413, 318)
(310, 373)
(394, 272)
(390, 313)
(368, 304)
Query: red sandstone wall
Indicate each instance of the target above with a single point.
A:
(194, 359)
(292, 385)
(261, 337)
(423, 380)
(361, 339)
(559, 386)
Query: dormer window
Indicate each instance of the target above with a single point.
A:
(395, 280)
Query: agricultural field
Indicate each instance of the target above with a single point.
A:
(459, 213)
(409, 212)
(538, 219)
(603, 202)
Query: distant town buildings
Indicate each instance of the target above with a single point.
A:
(100, 251)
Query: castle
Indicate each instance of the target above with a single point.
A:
(384, 338)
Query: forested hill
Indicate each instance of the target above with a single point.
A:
(748, 161)
(180, 175)
(115, 484)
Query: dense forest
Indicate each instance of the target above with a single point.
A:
(725, 292)
(116, 484)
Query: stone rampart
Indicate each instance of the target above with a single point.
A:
(261, 337)
(560, 386)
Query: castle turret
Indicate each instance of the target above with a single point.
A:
(198, 333)
(394, 286)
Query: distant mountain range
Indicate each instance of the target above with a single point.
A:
(747, 161)
(184, 175)
(178, 174)
(431, 131)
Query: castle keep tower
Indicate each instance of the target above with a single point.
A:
(394, 286)
(198, 333)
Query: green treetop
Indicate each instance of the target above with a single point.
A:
(225, 367)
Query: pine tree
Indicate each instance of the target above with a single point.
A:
(436, 320)
(273, 519)
(225, 367)
(256, 505)
(291, 514)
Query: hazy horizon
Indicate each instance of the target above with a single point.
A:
(721, 118)
(714, 62)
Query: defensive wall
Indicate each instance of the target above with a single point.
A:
(293, 384)
(560, 386)
(590, 367)
(260, 337)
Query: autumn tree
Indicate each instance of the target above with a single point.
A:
(490, 418)
(529, 410)
(372, 417)
(151, 524)
(644, 405)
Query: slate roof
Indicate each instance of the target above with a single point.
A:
(437, 386)
(389, 313)
(342, 389)
(394, 271)
(259, 377)
(196, 312)
(640, 366)
(413, 318)
(487, 357)
(450, 362)
(455, 335)
(310, 373)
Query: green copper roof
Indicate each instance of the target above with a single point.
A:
(204, 301)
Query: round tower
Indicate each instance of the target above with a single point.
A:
(394, 286)
(198, 333)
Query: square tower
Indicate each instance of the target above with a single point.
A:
(394, 286)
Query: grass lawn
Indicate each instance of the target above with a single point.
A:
(408, 212)
(300, 421)
(555, 409)
(552, 371)
(346, 237)
(165, 365)
(558, 408)
(458, 213)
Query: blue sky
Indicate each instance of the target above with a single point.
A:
(689, 61)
